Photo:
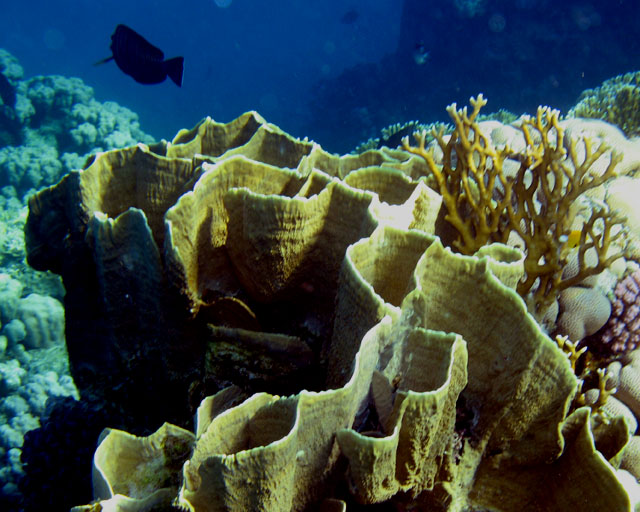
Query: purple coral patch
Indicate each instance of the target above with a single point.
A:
(621, 334)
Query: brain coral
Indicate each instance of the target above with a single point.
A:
(238, 261)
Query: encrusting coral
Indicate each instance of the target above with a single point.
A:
(239, 257)
(490, 201)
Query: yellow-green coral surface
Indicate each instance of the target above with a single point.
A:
(418, 377)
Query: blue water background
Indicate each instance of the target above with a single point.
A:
(304, 69)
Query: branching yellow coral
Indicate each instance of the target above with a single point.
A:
(570, 349)
(589, 376)
(486, 204)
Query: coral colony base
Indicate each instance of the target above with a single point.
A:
(362, 329)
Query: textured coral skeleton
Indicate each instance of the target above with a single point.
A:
(487, 203)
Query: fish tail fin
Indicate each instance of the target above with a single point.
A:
(174, 69)
(103, 61)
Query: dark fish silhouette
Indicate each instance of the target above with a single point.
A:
(142, 61)
(7, 92)
(350, 17)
